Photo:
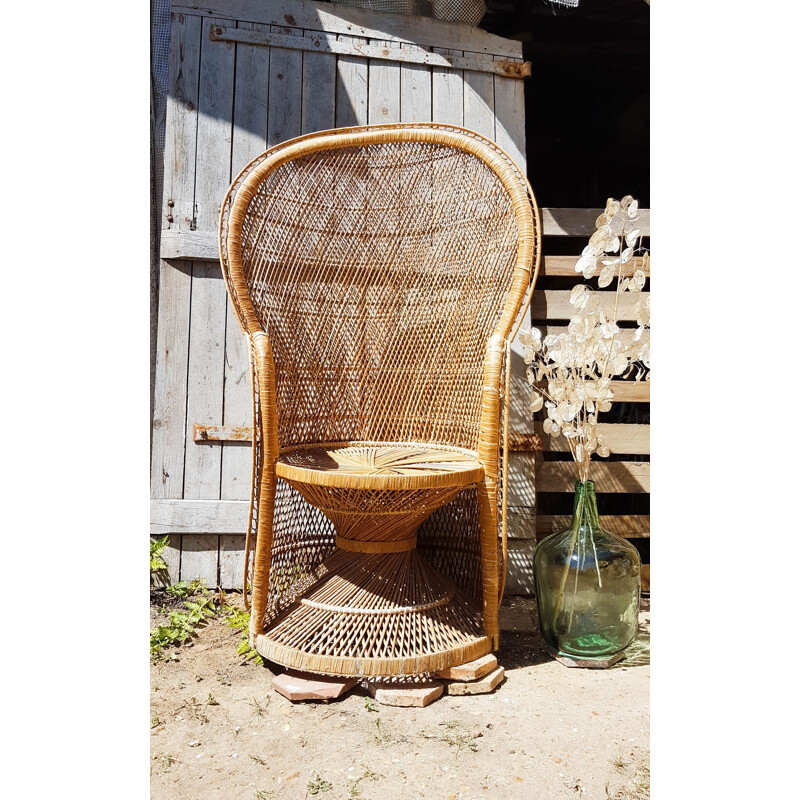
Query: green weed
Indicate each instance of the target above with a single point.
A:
(353, 791)
(259, 709)
(239, 620)
(181, 626)
(453, 736)
(157, 547)
(318, 784)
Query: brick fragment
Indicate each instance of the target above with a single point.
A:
(480, 686)
(417, 694)
(296, 685)
(470, 671)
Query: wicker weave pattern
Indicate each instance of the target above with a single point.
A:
(392, 295)
(378, 272)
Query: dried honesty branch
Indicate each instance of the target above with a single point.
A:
(571, 373)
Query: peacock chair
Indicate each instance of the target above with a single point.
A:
(379, 274)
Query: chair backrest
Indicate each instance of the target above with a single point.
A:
(380, 261)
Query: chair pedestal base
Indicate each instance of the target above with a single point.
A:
(376, 615)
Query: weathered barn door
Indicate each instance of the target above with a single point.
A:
(245, 75)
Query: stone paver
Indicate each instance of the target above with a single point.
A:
(470, 671)
(413, 693)
(296, 685)
(481, 686)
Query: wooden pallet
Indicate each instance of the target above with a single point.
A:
(550, 311)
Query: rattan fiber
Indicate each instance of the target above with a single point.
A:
(377, 273)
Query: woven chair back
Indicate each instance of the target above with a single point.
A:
(379, 263)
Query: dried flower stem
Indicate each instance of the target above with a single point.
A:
(571, 373)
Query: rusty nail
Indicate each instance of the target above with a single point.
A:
(170, 203)
(170, 218)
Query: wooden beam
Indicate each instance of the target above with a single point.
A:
(189, 245)
(630, 392)
(198, 516)
(620, 438)
(580, 221)
(204, 245)
(608, 476)
(320, 43)
(523, 442)
(549, 304)
(354, 21)
(564, 267)
(635, 526)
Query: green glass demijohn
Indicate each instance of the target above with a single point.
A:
(588, 583)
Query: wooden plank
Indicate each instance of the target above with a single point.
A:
(180, 245)
(620, 439)
(630, 392)
(214, 130)
(645, 579)
(580, 221)
(447, 92)
(237, 410)
(201, 245)
(318, 90)
(285, 84)
(415, 91)
(231, 561)
(200, 558)
(181, 128)
(564, 267)
(351, 88)
(384, 89)
(550, 304)
(479, 103)
(250, 105)
(205, 384)
(635, 526)
(521, 522)
(354, 21)
(172, 359)
(509, 112)
(608, 476)
(623, 391)
(198, 516)
(318, 43)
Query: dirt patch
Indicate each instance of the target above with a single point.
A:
(219, 731)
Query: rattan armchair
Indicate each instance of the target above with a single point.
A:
(378, 273)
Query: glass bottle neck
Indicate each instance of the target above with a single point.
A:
(584, 509)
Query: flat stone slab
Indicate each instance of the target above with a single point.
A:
(417, 694)
(585, 663)
(482, 686)
(296, 685)
(470, 671)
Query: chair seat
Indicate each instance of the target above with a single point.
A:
(379, 466)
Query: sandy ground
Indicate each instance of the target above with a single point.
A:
(220, 731)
